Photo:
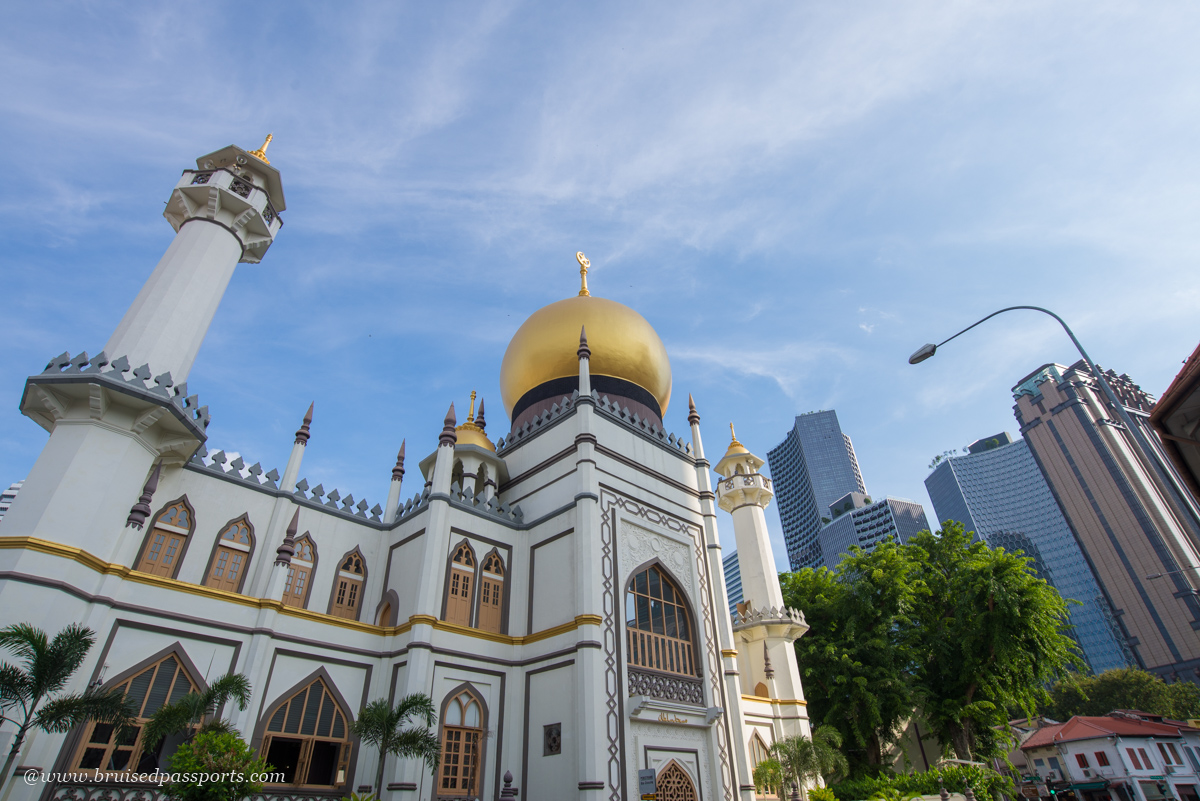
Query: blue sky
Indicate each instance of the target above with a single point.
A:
(796, 196)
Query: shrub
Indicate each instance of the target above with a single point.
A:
(984, 783)
(218, 766)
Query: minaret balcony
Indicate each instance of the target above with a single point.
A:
(743, 489)
(231, 198)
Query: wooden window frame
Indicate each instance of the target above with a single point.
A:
(500, 584)
(1101, 759)
(480, 765)
(755, 738)
(646, 649)
(1081, 760)
(218, 544)
(187, 537)
(473, 576)
(185, 670)
(347, 744)
(362, 588)
(311, 572)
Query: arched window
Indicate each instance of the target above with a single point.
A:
(348, 586)
(307, 738)
(463, 722)
(231, 556)
(759, 753)
(299, 575)
(384, 618)
(658, 633)
(163, 682)
(167, 540)
(461, 585)
(491, 593)
(674, 784)
(761, 690)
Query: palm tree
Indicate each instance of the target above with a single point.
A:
(811, 758)
(195, 712)
(382, 726)
(768, 776)
(31, 693)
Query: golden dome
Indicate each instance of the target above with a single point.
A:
(471, 434)
(622, 343)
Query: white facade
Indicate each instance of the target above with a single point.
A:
(506, 589)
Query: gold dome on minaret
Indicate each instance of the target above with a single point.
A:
(472, 432)
(623, 346)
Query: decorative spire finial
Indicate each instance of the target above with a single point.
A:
(448, 437)
(398, 470)
(583, 268)
(471, 414)
(261, 153)
(141, 509)
(302, 435)
(584, 351)
(732, 435)
(768, 670)
(693, 415)
(285, 552)
(479, 421)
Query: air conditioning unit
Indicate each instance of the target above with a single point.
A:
(1052, 775)
(1173, 768)
(1087, 773)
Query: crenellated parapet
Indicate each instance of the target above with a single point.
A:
(773, 621)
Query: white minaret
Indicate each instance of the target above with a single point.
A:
(765, 630)
(112, 417)
(224, 212)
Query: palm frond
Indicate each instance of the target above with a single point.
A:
(64, 713)
(416, 704)
(26, 641)
(231, 686)
(14, 686)
(419, 743)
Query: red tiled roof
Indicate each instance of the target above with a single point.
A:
(1087, 728)
(1180, 387)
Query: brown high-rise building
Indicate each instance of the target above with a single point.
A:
(1129, 526)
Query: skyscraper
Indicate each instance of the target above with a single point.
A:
(859, 521)
(1141, 550)
(813, 467)
(998, 492)
(733, 580)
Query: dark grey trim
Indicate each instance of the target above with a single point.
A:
(670, 482)
(387, 569)
(525, 723)
(389, 597)
(402, 786)
(312, 573)
(592, 785)
(533, 574)
(537, 468)
(212, 555)
(506, 584)
(394, 680)
(187, 540)
(586, 496)
(337, 572)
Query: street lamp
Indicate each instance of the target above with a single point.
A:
(1172, 572)
(1142, 445)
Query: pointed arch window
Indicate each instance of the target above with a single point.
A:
(463, 724)
(307, 738)
(231, 556)
(100, 749)
(658, 631)
(759, 753)
(491, 593)
(461, 585)
(348, 586)
(674, 784)
(167, 540)
(299, 575)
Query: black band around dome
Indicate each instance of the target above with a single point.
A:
(602, 384)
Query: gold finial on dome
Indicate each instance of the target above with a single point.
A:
(583, 268)
(732, 435)
(261, 153)
(471, 432)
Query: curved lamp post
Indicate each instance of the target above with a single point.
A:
(1141, 443)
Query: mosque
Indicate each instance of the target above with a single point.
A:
(556, 591)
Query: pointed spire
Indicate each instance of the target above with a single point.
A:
(693, 415)
(448, 437)
(733, 434)
(398, 470)
(285, 552)
(584, 351)
(261, 153)
(141, 509)
(479, 421)
(767, 669)
(302, 435)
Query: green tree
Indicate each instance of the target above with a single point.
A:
(31, 693)
(858, 652)
(768, 777)
(992, 636)
(1123, 688)
(216, 766)
(383, 726)
(196, 712)
(811, 758)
